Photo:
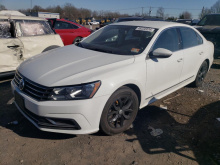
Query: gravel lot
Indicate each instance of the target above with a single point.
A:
(184, 131)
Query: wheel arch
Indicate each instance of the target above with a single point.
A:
(208, 62)
(50, 48)
(136, 89)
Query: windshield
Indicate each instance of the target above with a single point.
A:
(210, 20)
(119, 39)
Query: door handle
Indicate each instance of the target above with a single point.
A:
(179, 60)
(14, 46)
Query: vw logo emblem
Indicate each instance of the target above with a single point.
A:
(21, 84)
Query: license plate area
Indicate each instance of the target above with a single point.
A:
(19, 100)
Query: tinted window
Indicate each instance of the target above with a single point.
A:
(189, 37)
(64, 25)
(168, 40)
(210, 20)
(200, 40)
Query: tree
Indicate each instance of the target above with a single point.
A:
(216, 7)
(185, 15)
(37, 8)
(160, 12)
(204, 12)
(2, 7)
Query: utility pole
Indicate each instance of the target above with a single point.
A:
(150, 11)
(31, 7)
(202, 11)
(142, 11)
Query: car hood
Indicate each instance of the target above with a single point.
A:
(208, 29)
(70, 65)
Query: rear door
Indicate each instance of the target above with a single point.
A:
(193, 50)
(67, 31)
(11, 48)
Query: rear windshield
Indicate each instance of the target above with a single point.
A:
(119, 39)
(210, 20)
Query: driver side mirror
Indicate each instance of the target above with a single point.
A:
(161, 53)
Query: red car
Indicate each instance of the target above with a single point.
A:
(69, 31)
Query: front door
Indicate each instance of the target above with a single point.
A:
(164, 73)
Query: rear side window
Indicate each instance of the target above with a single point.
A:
(200, 40)
(33, 28)
(169, 39)
(189, 37)
(64, 25)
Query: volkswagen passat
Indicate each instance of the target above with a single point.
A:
(104, 80)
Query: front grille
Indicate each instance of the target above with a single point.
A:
(36, 91)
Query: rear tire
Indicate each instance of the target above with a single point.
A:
(77, 40)
(119, 111)
(200, 75)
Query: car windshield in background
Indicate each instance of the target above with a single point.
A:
(119, 39)
(213, 20)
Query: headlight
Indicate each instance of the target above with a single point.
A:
(75, 92)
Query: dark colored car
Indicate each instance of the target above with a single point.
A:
(184, 21)
(123, 19)
(209, 26)
(69, 31)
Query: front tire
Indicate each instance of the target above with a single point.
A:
(201, 75)
(119, 111)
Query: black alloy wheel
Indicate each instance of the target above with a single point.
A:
(77, 40)
(120, 111)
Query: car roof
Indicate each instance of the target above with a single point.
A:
(152, 24)
(15, 17)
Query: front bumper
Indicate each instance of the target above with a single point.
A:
(71, 117)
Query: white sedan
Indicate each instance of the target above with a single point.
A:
(104, 80)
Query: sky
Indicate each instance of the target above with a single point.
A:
(172, 7)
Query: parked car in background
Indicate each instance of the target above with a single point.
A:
(102, 82)
(22, 37)
(184, 21)
(123, 19)
(209, 26)
(69, 31)
(94, 23)
(194, 22)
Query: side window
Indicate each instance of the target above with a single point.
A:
(74, 26)
(5, 29)
(189, 37)
(33, 28)
(64, 25)
(168, 39)
(199, 38)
